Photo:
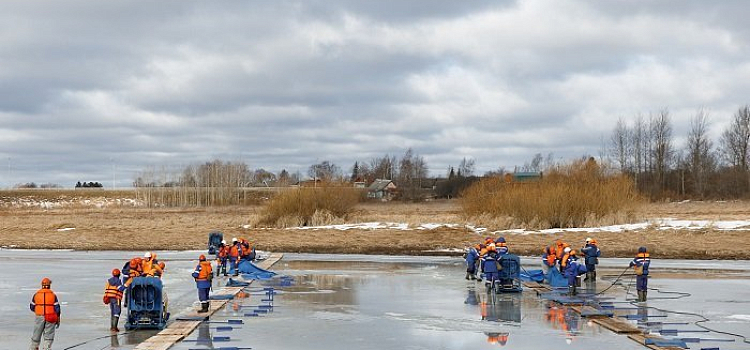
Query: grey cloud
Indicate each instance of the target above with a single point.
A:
(87, 84)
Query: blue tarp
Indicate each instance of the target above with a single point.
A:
(556, 279)
(532, 276)
(250, 271)
(553, 277)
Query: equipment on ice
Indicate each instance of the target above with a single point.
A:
(146, 304)
(214, 241)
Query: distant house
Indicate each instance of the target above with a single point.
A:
(382, 189)
(526, 176)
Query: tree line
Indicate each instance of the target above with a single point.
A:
(644, 148)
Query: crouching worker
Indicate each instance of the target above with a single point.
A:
(113, 291)
(640, 263)
(572, 269)
(47, 309)
(472, 255)
(203, 275)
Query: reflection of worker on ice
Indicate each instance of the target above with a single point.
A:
(497, 338)
(47, 309)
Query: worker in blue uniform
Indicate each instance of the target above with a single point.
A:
(572, 269)
(472, 255)
(203, 275)
(641, 263)
(591, 255)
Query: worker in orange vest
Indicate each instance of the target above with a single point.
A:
(47, 309)
(113, 291)
(203, 275)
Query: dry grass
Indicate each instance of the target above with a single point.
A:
(310, 206)
(577, 195)
(157, 229)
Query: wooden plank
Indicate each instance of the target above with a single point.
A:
(178, 330)
(617, 325)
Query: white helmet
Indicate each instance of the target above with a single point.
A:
(223, 241)
(147, 255)
(566, 250)
(234, 239)
(588, 239)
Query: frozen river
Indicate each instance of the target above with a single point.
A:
(370, 302)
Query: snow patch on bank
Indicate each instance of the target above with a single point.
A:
(658, 224)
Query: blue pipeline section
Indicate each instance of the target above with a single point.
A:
(666, 342)
(235, 283)
(207, 340)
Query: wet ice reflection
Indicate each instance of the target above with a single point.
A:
(403, 305)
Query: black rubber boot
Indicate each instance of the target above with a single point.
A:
(645, 293)
(204, 307)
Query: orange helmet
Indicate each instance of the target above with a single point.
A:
(135, 261)
(202, 257)
(162, 265)
(46, 282)
(115, 272)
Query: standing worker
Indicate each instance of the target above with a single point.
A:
(222, 254)
(203, 276)
(591, 255)
(47, 309)
(113, 296)
(641, 263)
(235, 252)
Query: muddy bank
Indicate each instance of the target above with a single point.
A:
(187, 229)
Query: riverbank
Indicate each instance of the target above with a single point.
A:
(416, 231)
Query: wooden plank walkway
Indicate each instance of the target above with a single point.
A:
(178, 330)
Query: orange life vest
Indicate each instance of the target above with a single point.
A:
(234, 251)
(205, 271)
(223, 252)
(551, 256)
(111, 291)
(44, 302)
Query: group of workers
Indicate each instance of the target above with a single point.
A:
(116, 286)
(562, 257)
(46, 307)
(239, 250)
(483, 259)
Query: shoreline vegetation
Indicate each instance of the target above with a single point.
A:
(122, 227)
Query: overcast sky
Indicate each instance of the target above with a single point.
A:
(95, 89)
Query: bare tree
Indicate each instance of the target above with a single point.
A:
(701, 161)
(466, 167)
(325, 171)
(383, 168)
(412, 170)
(661, 152)
(619, 144)
(735, 140)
